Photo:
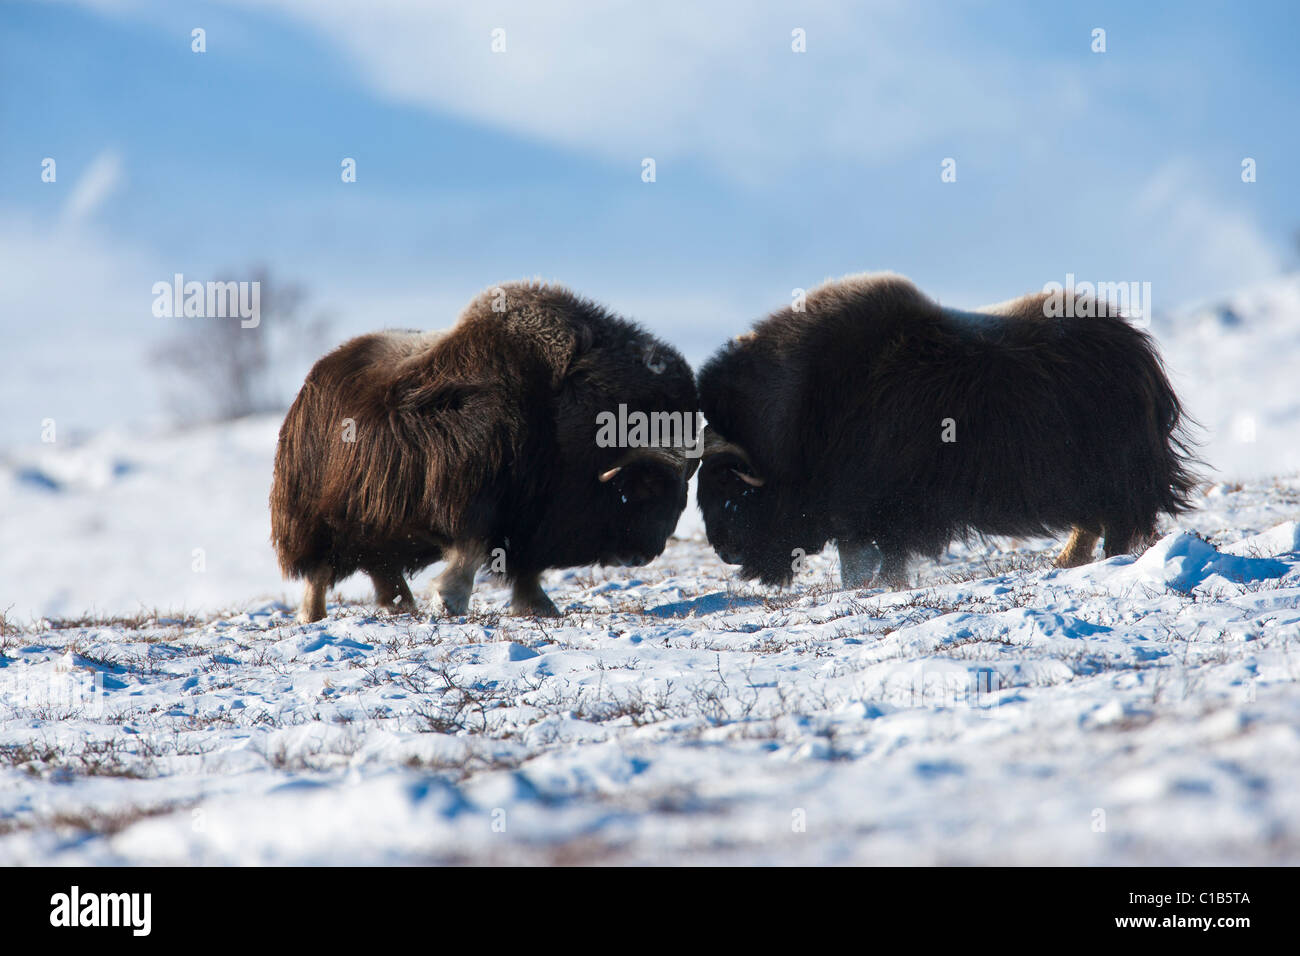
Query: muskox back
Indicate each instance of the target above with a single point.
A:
(347, 487)
(478, 445)
(880, 420)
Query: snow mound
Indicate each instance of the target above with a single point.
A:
(1183, 562)
(1180, 562)
(1278, 540)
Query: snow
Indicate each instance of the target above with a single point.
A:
(1001, 711)
(1236, 364)
(158, 704)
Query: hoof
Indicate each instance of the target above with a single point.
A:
(449, 605)
(540, 606)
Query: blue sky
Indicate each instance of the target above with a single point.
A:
(775, 169)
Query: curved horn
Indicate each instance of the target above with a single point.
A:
(715, 444)
(672, 457)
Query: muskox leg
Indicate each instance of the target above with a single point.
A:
(858, 561)
(529, 600)
(1078, 550)
(313, 595)
(454, 585)
(893, 566)
(1125, 538)
(391, 591)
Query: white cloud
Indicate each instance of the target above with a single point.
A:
(1217, 245)
(717, 82)
(93, 187)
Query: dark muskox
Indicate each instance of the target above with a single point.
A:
(479, 445)
(881, 421)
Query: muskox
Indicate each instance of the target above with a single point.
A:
(879, 420)
(479, 445)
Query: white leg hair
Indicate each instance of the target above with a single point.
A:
(313, 596)
(893, 568)
(456, 583)
(858, 562)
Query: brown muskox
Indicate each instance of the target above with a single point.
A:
(879, 420)
(479, 445)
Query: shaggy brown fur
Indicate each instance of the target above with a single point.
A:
(829, 424)
(477, 439)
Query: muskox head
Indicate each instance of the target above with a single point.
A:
(625, 416)
(750, 513)
(642, 495)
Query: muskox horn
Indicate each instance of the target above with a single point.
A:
(715, 444)
(673, 457)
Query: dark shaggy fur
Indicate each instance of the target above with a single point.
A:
(480, 438)
(839, 410)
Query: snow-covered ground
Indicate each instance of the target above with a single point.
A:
(1135, 710)
(158, 704)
